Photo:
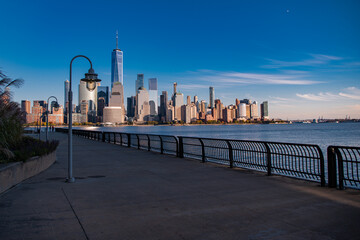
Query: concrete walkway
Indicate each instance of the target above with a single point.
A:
(125, 193)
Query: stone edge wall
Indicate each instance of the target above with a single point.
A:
(17, 172)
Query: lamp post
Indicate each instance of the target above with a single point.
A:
(47, 114)
(91, 79)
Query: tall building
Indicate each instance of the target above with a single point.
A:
(153, 96)
(131, 103)
(115, 112)
(264, 110)
(242, 110)
(66, 93)
(163, 105)
(197, 104)
(103, 92)
(212, 97)
(139, 82)
(178, 102)
(142, 105)
(254, 110)
(116, 64)
(25, 106)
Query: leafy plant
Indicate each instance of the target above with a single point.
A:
(11, 117)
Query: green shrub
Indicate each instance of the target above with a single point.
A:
(30, 147)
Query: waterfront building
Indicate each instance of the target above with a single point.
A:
(229, 114)
(142, 105)
(115, 112)
(163, 106)
(203, 106)
(178, 102)
(254, 110)
(153, 96)
(25, 106)
(237, 102)
(101, 106)
(196, 102)
(57, 115)
(116, 64)
(264, 110)
(248, 111)
(139, 82)
(170, 113)
(212, 97)
(219, 109)
(188, 111)
(131, 103)
(66, 94)
(84, 110)
(242, 110)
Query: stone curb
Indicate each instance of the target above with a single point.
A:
(14, 173)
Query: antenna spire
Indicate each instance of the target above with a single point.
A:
(117, 40)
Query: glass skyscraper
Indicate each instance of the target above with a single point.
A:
(116, 65)
(139, 82)
(212, 97)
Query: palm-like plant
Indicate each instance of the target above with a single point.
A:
(11, 117)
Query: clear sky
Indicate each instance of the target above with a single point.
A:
(301, 56)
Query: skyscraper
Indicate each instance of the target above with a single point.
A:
(103, 92)
(153, 96)
(131, 103)
(163, 105)
(139, 82)
(25, 106)
(264, 110)
(66, 92)
(116, 64)
(212, 97)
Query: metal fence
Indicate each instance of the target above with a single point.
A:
(302, 161)
(295, 160)
(158, 143)
(343, 166)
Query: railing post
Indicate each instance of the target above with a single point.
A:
(332, 179)
(161, 145)
(231, 158)
(202, 150)
(181, 147)
(268, 159)
(120, 139)
(129, 139)
(341, 169)
(149, 146)
(138, 141)
(114, 138)
(103, 136)
(322, 168)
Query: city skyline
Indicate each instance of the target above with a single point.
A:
(301, 57)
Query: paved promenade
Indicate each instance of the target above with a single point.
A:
(125, 193)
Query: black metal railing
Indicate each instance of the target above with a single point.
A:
(158, 143)
(343, 166)
(302, 161)
(295, 160)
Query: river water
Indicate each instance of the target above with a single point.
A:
(322, 134)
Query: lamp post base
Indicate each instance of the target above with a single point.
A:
(70, 180)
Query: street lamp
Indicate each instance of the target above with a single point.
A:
(90, 79)
(47, 114)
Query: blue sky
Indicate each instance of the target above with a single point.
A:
(301, 56)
